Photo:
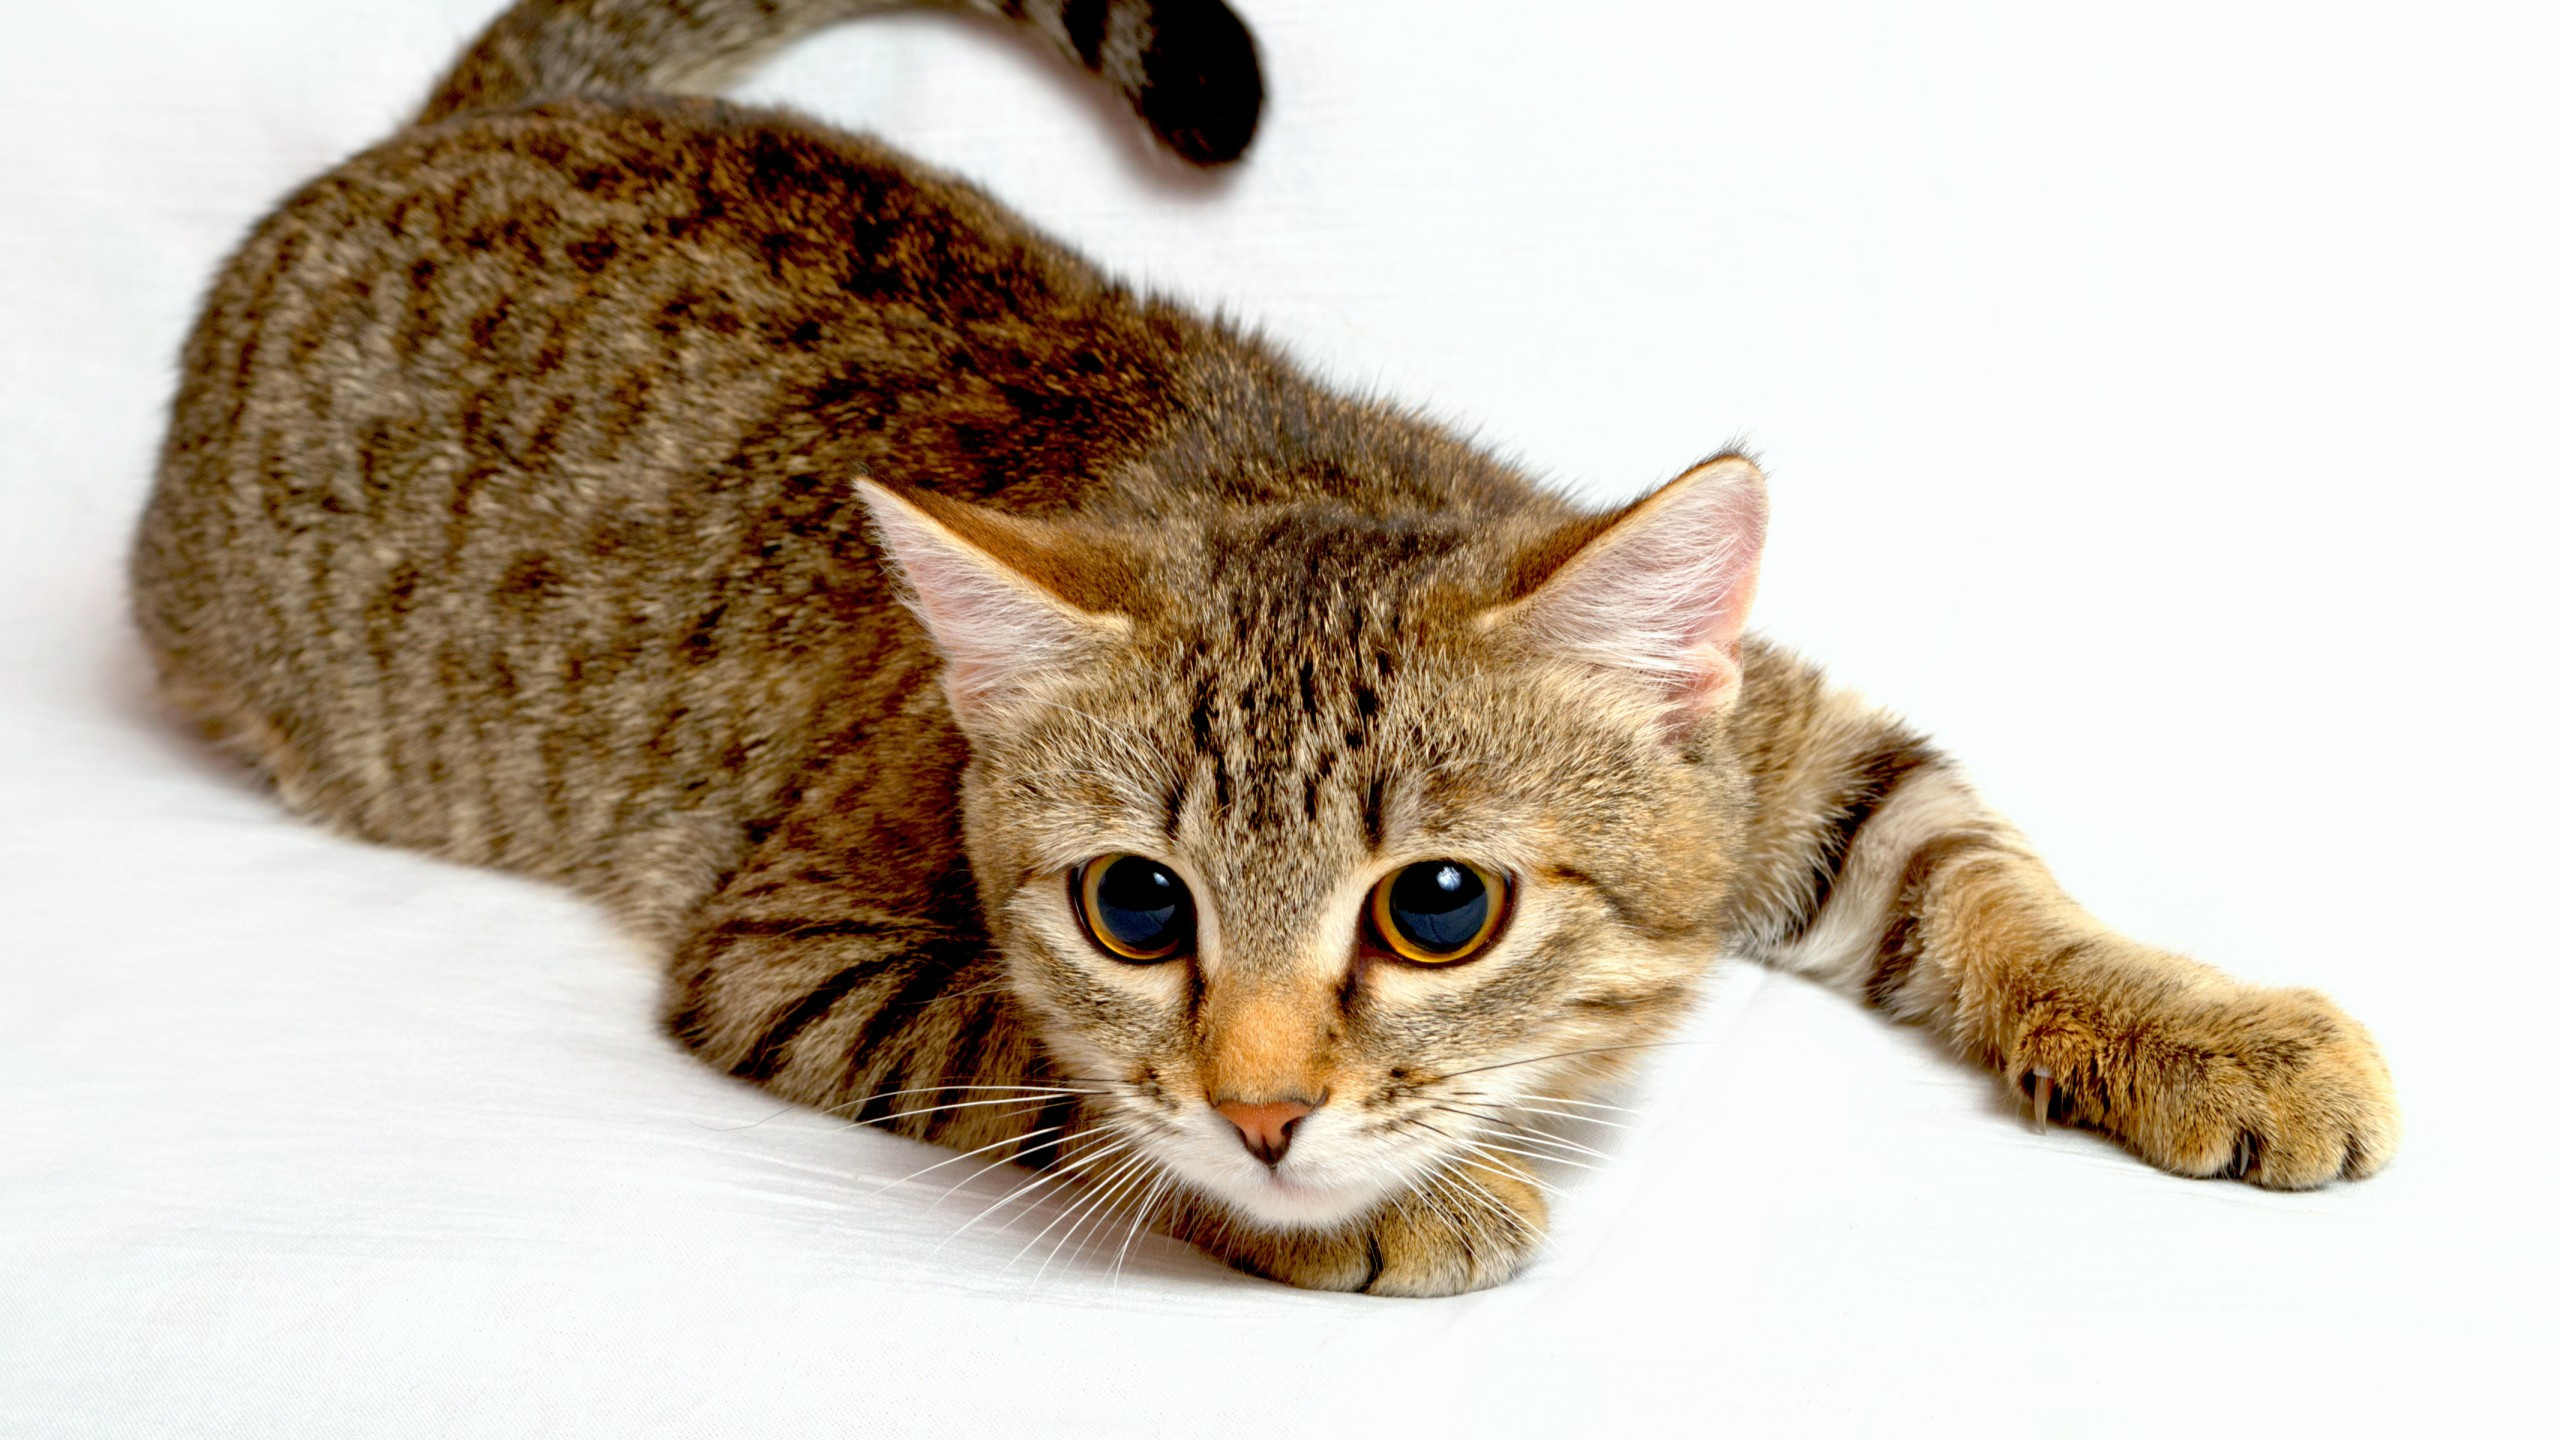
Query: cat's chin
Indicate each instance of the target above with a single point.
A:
(1286, 1202)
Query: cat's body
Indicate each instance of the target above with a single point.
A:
(514, 508)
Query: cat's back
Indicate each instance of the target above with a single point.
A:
(626, 294)
(512, 463)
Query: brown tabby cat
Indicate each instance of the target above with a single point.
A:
(1262, 804)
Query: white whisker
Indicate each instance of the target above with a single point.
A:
(1059, 1171)
(1106, 1128)
(1522, 1130)
(1433, 1191)
(1065, 1169)
(1592, 1104)
(1044, 1092)
(1091, 1196)
(954, 1105)
(1569, 1115)
(1496, 1203)
(1568, 1055)
(1514, 1130)
(1139, 1184)
(750, 1125)
(1146, 1210)
(965, 1154)
(1132, 1171)
(1533, 1155)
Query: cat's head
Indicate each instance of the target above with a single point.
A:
(1319, 839)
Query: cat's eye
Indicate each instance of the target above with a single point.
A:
(1133, 907)
(1438, 912)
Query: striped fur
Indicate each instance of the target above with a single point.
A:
(788, 547)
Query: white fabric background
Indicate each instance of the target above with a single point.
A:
(2158, 402)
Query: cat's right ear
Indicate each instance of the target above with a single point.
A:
(985, 584)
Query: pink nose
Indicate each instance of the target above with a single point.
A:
(1265, 1129)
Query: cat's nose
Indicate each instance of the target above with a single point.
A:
(1265, 1129)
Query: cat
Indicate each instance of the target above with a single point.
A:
(1032, 718)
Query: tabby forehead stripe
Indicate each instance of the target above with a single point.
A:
(1175, 796)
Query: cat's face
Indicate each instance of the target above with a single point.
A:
(1321, 858)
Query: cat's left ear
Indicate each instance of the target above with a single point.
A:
(1659, 591)
(993, 591)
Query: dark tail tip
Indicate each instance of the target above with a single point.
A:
(1203, 89)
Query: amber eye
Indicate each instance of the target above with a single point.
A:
(1438, 911)
(1133, 907)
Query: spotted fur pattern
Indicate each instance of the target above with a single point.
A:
(783, 544)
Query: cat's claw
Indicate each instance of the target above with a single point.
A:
(2243, 1155)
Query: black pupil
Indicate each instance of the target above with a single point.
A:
(1439, 905)
(1140, 903)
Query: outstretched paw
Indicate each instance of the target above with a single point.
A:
(2277, 1087)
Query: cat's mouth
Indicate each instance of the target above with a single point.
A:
(1297, 1193)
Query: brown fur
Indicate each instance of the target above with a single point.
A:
(510, 510)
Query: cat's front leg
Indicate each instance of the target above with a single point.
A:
(2189, 1069)
(1464, 1227)
(843, 966)
(1877, 869)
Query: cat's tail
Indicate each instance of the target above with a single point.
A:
(1187, 67)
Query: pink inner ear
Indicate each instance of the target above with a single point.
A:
(1664, 591)
(995, 627)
